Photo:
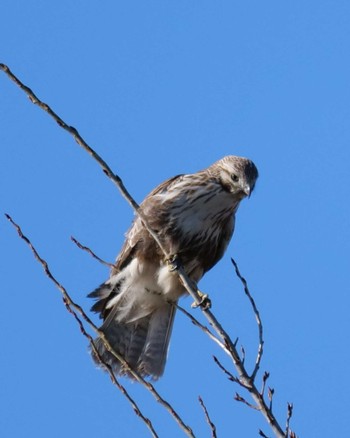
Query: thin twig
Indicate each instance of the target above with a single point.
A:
(243, 400)
(258, 319)
(270, 394)
(264, 379)
(289, 416)
(70, 305)
(242, 354)
(245, 379)
(109, 370)
(228, 374)
(202, 327)
(88, 250)
(206, 413)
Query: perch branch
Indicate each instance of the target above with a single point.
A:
(74, 308)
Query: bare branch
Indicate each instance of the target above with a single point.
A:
(202, 327)
(243, 400)
(270, 394)
(70, 305)
(88, 250)
(289, 416)
(211, 424)
(265, 377)
(243, 354)
(258, 319)
(228, 374)
(109, 370)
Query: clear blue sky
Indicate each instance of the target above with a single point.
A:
(160, 88)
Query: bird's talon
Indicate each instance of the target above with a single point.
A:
(205, 302)
(173, 263)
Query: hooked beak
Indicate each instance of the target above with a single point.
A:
(246, 190)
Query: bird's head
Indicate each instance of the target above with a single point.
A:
(236, 174)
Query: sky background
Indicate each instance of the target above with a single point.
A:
(160, 88)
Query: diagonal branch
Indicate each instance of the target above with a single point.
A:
(93, 255)
(207, 417)
(74, 308)
(229, 375)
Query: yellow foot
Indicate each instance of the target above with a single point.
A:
(205, 301)
(173, 263)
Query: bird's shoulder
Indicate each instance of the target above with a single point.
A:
(137, 234)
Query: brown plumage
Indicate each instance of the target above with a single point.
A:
(193, 216)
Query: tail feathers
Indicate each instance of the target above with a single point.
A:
(103, 295)
(154, 354)
(126, 339)
(143, 343)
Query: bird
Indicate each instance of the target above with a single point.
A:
(193, 216)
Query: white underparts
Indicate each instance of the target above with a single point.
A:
(143, 288)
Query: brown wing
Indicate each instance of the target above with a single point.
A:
(137, 233)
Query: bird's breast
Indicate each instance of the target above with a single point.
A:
(205, 213)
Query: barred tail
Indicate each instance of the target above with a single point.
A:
(143, 343)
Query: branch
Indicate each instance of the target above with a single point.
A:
(70, 305)
(264, 379)
(74, 308)
(229, 375)
(245, 379)
(258, 320)
(93, 255)
(243, 400)
(210, 423)
(289, 416)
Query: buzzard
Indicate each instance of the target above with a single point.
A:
(194, 217)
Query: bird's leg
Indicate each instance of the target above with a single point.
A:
(174, 263)
(205, 301)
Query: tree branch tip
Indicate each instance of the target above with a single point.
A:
(266, 376)
(238, 397)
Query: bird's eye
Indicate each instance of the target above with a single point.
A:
(234, 177)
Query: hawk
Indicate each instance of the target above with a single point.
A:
(194, 218)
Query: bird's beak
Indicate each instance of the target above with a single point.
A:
(246, 190)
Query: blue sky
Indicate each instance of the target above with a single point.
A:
(160, 88)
